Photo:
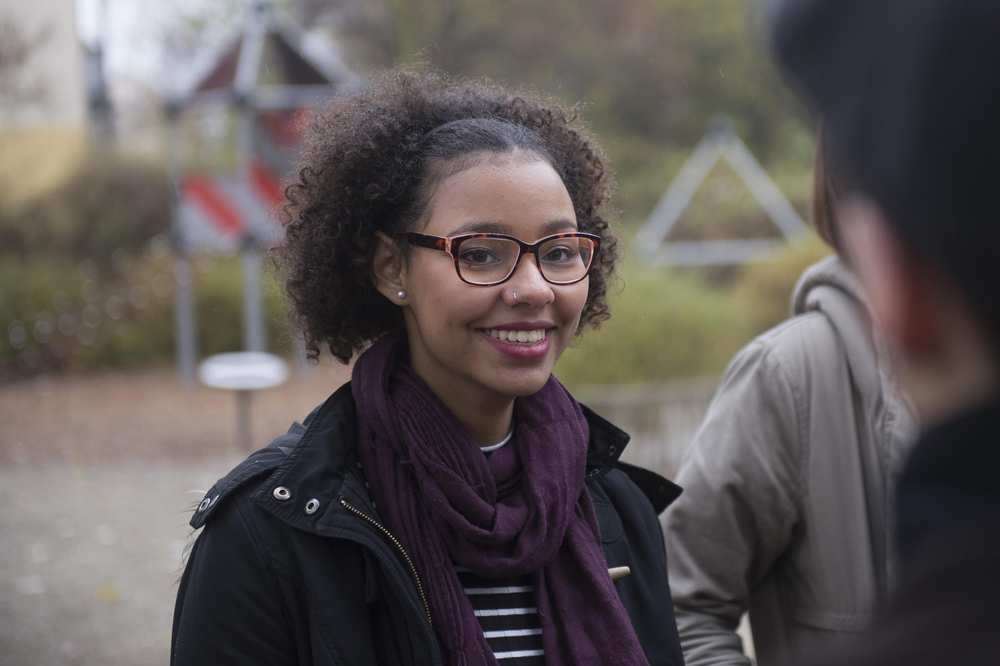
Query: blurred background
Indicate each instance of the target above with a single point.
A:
(142, 151)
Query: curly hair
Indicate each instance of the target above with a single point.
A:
(369, 163)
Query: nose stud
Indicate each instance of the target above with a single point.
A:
(514, 296)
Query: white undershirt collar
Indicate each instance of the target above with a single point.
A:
(499, 445)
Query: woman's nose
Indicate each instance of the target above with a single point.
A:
(527, 286)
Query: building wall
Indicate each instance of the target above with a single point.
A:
(56, 64)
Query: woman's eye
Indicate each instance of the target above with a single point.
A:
(560, 254)
(478, 255)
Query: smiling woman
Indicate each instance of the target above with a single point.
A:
(453, 504)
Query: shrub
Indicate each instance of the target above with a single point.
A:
(665, 323)
(766, 287)
(59, 316)
(107, 211)
(671, 323)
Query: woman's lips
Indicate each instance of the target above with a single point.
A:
(531, 350)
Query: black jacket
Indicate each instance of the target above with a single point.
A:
(944, 611)
(295, 567)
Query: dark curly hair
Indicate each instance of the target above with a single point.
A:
(371, 160)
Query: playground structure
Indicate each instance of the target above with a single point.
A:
(721, 142)
(265, 77)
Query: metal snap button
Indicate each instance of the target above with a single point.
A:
(282, 493)
(205, 503)
(312, 506)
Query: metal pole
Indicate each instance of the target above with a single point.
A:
(244, 436)
(302, 364)
(254, 332)
(185, 318)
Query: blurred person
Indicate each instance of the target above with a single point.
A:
(910, 95)
(452, 504)
(787, 481)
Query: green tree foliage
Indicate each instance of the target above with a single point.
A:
(651, 74)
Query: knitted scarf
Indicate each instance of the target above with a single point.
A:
(451, 505)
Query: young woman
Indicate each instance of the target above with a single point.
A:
(789, 480)
(453, 504)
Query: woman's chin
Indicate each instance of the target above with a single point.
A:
(523, 385)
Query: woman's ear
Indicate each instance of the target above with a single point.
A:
(389, 269)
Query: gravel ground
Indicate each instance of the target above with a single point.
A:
(98, 476)
(90, 558)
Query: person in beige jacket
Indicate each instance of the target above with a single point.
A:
(787, 483)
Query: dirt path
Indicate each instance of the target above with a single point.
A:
(97, 475)
(143, 414)
(90, 557)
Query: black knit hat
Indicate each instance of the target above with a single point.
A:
(909, 93)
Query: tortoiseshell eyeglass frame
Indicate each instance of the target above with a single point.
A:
(450, 246)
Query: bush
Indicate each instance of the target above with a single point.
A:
(59, 316)
(766, 288)
(665, 323)
(219, 302)
(106, 212)
(670, 323)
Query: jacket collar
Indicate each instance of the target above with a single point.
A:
(321, 469)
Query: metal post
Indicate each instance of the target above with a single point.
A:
(254, 332)
(185, 318)
(302, 364)
(244, 435)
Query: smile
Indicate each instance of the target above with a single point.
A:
(528, 337)
(523, 345)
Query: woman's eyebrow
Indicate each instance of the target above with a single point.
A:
(555, 226)
(481, 227)
(490, 227)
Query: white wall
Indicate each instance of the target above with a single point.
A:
(57, 64)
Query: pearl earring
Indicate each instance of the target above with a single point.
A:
(401, 294)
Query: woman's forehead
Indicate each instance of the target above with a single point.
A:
(513, 196)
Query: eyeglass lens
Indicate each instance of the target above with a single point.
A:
(490, 260)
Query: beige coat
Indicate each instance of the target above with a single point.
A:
(785, 511)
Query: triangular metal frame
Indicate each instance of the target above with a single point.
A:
(720, 142)
(261, 20)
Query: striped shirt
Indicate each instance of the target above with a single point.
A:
(506, 608)
(508, 612)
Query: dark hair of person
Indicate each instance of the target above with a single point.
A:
(824, 197)
(370, 164)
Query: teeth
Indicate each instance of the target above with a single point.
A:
(522, 337)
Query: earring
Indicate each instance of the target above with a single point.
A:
(401, 294)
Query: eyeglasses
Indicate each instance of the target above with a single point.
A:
(490, 259)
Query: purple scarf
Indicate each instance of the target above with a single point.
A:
(524, 512)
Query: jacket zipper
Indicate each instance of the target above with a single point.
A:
(389, 535)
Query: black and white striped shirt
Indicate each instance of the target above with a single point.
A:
(506, 608)
(508, 612)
